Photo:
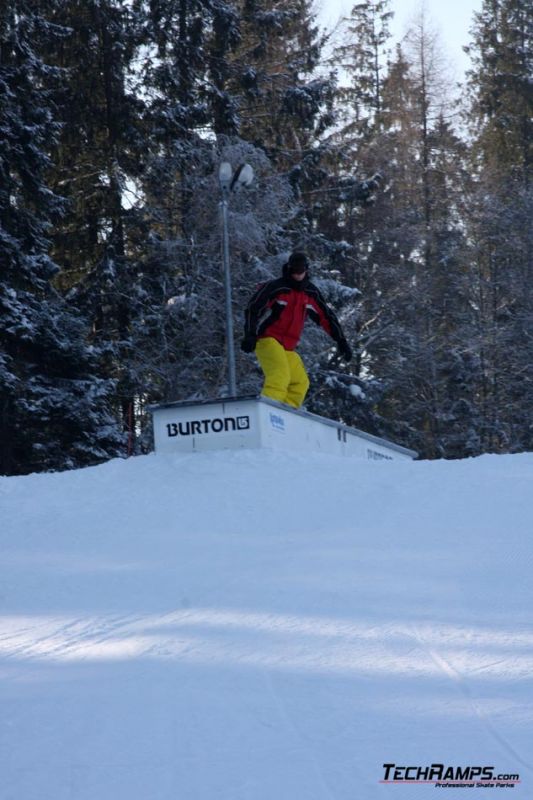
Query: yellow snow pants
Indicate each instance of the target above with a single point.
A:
(285, 376)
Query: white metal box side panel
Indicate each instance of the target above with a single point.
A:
(288, 429)
(284, 429)
(210, 426)
(360, 446)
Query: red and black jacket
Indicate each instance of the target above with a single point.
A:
(280, 307)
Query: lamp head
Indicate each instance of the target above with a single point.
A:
(225, 174)
(244, 176)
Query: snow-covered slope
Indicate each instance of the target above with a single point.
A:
(260, 626)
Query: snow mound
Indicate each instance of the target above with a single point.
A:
(264, 625)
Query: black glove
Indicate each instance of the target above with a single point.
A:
(248, 343)
(344, 350)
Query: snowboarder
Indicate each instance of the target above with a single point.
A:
(275, 317)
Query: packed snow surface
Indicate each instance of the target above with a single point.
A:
(265, 626)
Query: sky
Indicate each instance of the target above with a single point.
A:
(452, 18)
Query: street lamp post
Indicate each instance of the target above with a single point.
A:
(229, 181)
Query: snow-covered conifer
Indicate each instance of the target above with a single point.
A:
(53, 408)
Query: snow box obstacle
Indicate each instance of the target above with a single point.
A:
(257, 422)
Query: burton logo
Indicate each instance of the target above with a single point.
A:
(197, 427)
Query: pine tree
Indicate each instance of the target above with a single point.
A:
(409, 257)
(285, 103)
(286, 95)
(362, 57)
(499, 219)
(98, 163)
(98, 154)
(53, 407)
(353, 167)
(186, 69)
(500, 88)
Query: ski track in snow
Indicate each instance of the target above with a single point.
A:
(462, 684)
(295, 734)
